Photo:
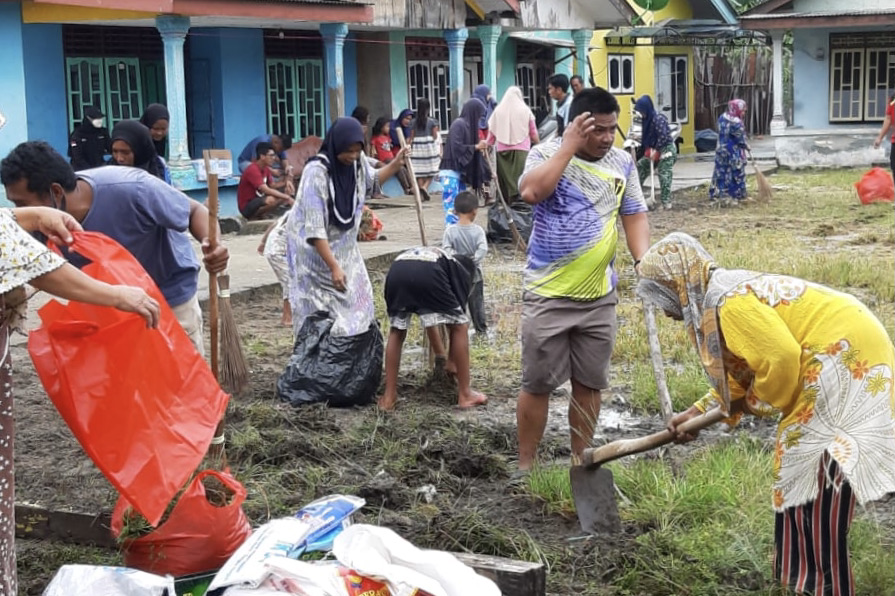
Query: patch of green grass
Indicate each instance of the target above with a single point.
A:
(550, 484)
(710, 524)
(686, 383)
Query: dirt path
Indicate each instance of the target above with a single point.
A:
(436, 475)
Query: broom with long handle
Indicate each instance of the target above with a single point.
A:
(418, 204)
(231, 371)
(216, 451)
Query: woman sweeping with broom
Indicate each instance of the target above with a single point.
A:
(512, 128)
(773, 344)
(729, 176)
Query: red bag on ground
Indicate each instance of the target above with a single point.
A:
(370, 225)
(142, 402)
(875, 186)
(196, 537)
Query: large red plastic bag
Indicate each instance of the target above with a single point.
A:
(197, 536)
(142, 402)
(874, 186)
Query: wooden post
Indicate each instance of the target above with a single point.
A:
(416, 189)
(655, 352)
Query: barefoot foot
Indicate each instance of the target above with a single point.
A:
(472, 400)
(386, 402)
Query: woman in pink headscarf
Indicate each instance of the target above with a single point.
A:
(729, 178)
(512, 128)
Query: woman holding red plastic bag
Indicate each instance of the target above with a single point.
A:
(23, 260)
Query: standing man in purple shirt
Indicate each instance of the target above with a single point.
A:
(580, 185)
(142, 213)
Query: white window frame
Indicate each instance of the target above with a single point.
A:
(874, 110)
(439, 98)
(620, 60)
(839, 111)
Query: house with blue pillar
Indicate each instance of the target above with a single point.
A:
(843, 78)
(229, 70)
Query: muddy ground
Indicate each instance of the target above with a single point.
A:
(436, 475)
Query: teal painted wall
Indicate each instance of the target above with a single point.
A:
(506, 65)
(398, 66)
(244, 107)
(349, 68)
(12, 78)
(45, 85)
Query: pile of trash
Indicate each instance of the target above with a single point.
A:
(316, 552)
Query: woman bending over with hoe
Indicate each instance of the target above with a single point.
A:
(773, 344)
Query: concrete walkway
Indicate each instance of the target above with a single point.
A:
(248, 269)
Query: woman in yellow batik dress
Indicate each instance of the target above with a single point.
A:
(773, 344)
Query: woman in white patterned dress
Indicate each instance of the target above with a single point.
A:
(327, 272)
(425, 152)
(23, 260)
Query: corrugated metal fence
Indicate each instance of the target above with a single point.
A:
(741, 73)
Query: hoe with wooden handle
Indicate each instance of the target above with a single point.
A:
(592, 486)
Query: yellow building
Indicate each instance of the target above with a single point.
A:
(655, 58)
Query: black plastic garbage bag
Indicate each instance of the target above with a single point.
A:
(340, 371)
(499, 229)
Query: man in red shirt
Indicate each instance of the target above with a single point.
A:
(255, 197)
(887, 124)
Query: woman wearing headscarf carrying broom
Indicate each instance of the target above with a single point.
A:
(462, 163)
(658, 146)
(729, 176)
(818, 358)
(327, 271)
(512, 128)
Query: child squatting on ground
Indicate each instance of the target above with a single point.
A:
(468, 239)
(435, 285)
(273, 248)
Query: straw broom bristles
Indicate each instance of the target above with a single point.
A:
(765, 190)
(234, 377)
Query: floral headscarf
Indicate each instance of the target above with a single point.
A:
(736, 109)
(679, 276)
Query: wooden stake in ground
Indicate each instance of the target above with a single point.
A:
(520, 242)
(416, 187)
(655, 352)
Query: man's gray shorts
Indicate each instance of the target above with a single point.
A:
(563, 339)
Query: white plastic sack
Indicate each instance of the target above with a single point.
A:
(305, 579)
(380, 553)
(247, 566)
(95, 580)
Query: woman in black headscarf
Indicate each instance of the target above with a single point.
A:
(89, 142)
(327, 271)
(132, 146)
(404, 121)
(462, 163)
(156, 118)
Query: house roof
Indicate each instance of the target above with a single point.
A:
(712, 9)
(575, 14)
(232, 12)
(822, 18)
(685, 32)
